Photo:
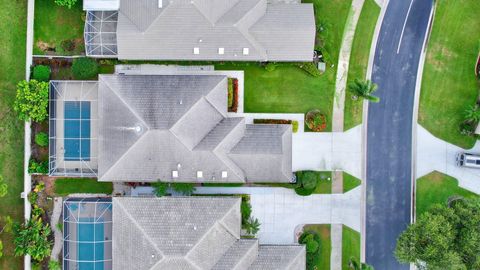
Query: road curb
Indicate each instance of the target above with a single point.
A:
(371, 58)
(416, 103)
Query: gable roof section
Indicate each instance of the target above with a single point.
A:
(281, 32)
(154, 233)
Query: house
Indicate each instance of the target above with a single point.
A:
(218, 30)
(173, 128)
(197, 233)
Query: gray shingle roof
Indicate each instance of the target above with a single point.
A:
(274, 32)
(151, 125)
(190, 233)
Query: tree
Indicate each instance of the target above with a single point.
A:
(84, 68)
(472, 113)
(311, 240)
(306, 182)
(160, 188)
(184, 188)
(41, 73)
(355, 265)
(3, 187)
(445, 237)
(31, 238)
(364, 89)
(41, 139)
(31, 100)
(252, 226)
(66, 3)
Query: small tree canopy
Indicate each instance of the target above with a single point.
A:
(41, 73)
(32, 100)
(160, 188)
(41, 139)
(66, 3)
(32, 238)
(84, 68)
(184, 188)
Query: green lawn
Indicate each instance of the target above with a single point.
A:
(65, 186)
(324, 185)
(449, 84)
(350, 246)
(12, 60)
(359, 60)
(54, 24)
(323, 230)
(350, 182)
(436, 188)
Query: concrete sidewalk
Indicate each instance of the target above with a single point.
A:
(434, 154)
(280, 210)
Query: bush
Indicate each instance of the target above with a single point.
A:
(31, 100)
(270, 67)
(307, 182)
(160, 188)
(294, 126)
(68, 45)
(32, 238)
(294, 123)
(66, 3)
(316, 121)
(467, 128)
(246, 211)
(312, 242)
(41, 73)
(37, 167)
(41, 139)
(230, 92)
(32, 197)
(54, 265)
(84, 68)
(310, 68)
(183, 188)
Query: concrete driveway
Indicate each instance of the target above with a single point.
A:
(281, 211)
(434, 154)
(328, 151)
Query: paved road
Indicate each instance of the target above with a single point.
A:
(389, 145)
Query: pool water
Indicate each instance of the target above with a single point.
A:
(90, 253)
(77, 130)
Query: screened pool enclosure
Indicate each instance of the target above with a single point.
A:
(73, 117)
(87, 234)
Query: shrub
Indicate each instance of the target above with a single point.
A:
(306, 182)
(41, 73)
(312, 242)
(41, 139)
(37, 211)
(31, 100)
(84, 68)
(38, 167)
(270, 67)
(294, 123)
(316, 121)
(32, 238)
(310, 68)
(66, 3)
(160, 188)
(183, 188)
(467, 128)
(54, 265)
(32, 197)
(230, 92)
(294, 126)
(234, 106)
(246, 211)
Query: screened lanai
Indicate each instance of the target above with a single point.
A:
(87, 234)
(73, 114)
(101, 33)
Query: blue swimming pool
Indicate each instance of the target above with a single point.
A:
(77, 130)
(90, 248)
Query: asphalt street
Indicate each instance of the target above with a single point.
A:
(389, 135)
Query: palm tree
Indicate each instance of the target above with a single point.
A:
(472, 113)
(253, 226)
(364, 89)
(355, 265)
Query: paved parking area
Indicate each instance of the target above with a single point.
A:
(328, 151)
(434, 154)
(281, 211)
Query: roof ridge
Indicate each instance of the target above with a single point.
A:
(139, 228)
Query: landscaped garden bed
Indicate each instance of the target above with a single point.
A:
(294, 123)
(319, 259)
(232, 94)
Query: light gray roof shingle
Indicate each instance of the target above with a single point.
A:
(151, 125)
(280, 258)
(239, 256)
(274, 32)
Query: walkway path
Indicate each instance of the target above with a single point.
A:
(342, 68)
(433, 154)
(280, 210)
(54, 221)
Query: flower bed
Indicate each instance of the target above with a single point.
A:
(316, 121)
(294, 123)
(232, 94)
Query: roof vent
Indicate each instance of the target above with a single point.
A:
(199, 174)
(245, 51)
(160, 3)
(174, 174)
(221, 50)
(179, 166)
(224, 174)
(196, 50)
(180, 102)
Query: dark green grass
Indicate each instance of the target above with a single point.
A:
(65, 186)
(350, 246)
(350, 182)
(323, 230)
